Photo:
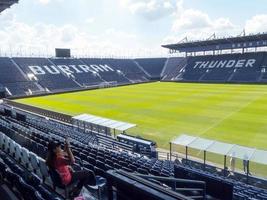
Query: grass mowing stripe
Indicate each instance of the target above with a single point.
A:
(165, 110)
(229, 113)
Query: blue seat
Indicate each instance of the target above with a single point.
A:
(12, 149)
(109, 162)
(16, 169)
(127, 169)
(132, 167)
(1, 140)
(46, 194)
(100, 185)
(25, 157)
(155, 172)
(88, 166)
(117, 166)
(142, 171)
(3, 168)
(99, 171)
(7, 144)
(27, 191)
(100, 165)
(100, 158)
(91, 160)
(83, 156)
(41, 151)
(8, 161)
(32, 179)
(18, 153)
(11, 177)
(34, 162)
(165, 174)
(38, 196)
(43, 168)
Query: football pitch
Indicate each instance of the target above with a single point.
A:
(162, 111)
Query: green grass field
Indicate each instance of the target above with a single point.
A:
(163, 111)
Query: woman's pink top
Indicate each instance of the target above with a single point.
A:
(62, 167)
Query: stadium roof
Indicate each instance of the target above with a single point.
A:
(233, 150)
(4, 4)
(105, 122)
(220, 44)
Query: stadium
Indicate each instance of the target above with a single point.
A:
(190, 125)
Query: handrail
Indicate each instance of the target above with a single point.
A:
(202, 184)
(152, 185)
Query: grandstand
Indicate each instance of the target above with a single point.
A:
(26, 130)
(215, 66)
(31, 76)
(152, 66)
(122, 164)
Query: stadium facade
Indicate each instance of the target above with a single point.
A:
(25, 76)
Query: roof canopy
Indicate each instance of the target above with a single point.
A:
(249, 41)
(4, 4)
(138, 140)
(233, 150)
(105, 122)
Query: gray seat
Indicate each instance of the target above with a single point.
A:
(44, 172)
(7, 144)
(12, 149)
(34, 162)
(43, 168)
(18, 153)
(25, 157)
(1, 140)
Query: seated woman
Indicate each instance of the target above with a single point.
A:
(60, 161)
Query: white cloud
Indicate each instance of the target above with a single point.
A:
(191, 19)
(119, 34)
(150, 9)
(223, 24)
(19, 38)
(195, 24)
(256, 24)
(44, 1)
(90, 20)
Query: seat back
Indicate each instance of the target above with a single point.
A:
(34, 161)
(27, 191)
(1, 140)
(24, 157)
(12, 148)
(3, 168)
(7, 143)
(17, 152)
(43, 168)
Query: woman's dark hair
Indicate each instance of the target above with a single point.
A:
(51, 155)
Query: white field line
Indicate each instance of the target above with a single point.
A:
(230, 114)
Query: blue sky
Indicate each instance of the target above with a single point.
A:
(123, 27)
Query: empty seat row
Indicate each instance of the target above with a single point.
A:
(25, 162)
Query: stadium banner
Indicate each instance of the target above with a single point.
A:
(242, 63)
(70, 69)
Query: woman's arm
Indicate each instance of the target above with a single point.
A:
(69, 152)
